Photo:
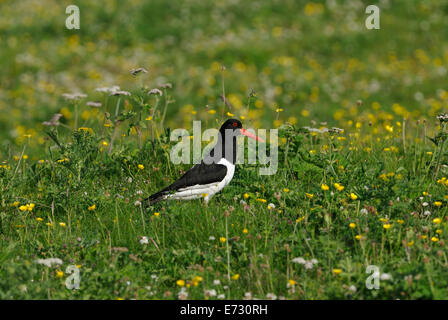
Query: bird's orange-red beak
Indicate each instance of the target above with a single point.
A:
(250, 135)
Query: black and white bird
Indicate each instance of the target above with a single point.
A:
(213, 173)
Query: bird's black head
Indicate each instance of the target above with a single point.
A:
(231, 124)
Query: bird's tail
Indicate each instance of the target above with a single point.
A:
(156, 197)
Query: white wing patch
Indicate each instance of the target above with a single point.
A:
(206, 191)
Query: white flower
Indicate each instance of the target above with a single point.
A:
(271, 296)
(352, 288)
(108, 89)
(248, 296)
(49, 262)
(93, 104)
(308, 265)
(155, 91)
(425, 204)
(427, 213)
(144, 240)
(216, 282)
(74, 96)
(166, 85)
(135, 72)
(314, 261)
(137, 203)
(210, 293)
(299, 260)
(271, 206)
(120, 93)
(183, 294)
(154, 276)
(54, 121)
(211, 238)
(222, 296)
(363, 211)
(385, 276)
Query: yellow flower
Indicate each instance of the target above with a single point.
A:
(438, 203)
(424, 237)
(410, 243)
(437, 220)
(439, 231)
(337, 271)
(278, 110)
(352, 225)
(62, 224)
(383, 220)
(400, 221)
(292, 282)
(222, 239)
(309, 195)
(230, 114)
(23, 208)
(198, 279)
(236, 276)
(15, 203)
(104, 143)
(358, 237)
(387, 226)
(246, 195)
(212, 112)
(245, 231)
(180, 283)
(261, 200)
(39, 219)
(353, 196)
(141, 167)
(59, 274)
(300, 219)
(203, 195)
(324, 187)
(156, 214)
(49, 224)
(149, 118)
(92, 207)
(286, 190)
(434, 239)
(339, 187)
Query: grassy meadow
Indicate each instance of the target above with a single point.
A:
(362, 177)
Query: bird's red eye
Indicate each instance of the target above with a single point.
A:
(235, 124)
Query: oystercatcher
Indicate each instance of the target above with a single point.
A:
(213, 173)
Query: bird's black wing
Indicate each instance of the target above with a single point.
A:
(200, 174)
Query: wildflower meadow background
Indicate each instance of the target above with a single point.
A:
(84, 138)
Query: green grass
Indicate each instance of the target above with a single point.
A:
(313, 61)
